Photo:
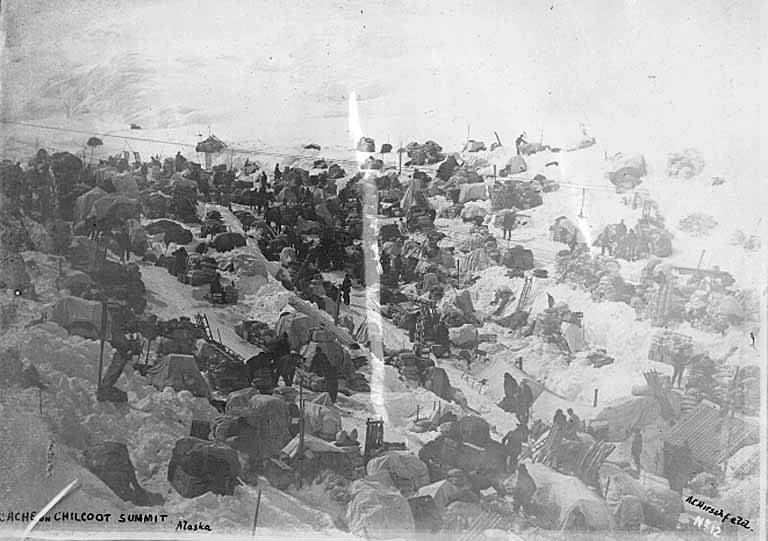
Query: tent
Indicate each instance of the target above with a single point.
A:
(414, 197)
(473, 192)
(297, 326)
(407, 472)
(515, 165)
(84, 203)
(566, 503)
(179, 372)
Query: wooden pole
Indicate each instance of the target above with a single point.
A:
(256, 515)
(498, 140)
(40, 396)
(467, 133)
(103, 338)
(594, 404)
(400, 154)
(301, 433)
(701, 258)
(583, 195)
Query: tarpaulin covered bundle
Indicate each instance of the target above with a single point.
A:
(627, 170)
(224, 242)
(566, 503)
(116, 207)
(110, 462)
(13, 273)
(297, 326)
(564, 230)
(180, 373)
(473, 192)
(322, 421)
(173, 231)
(255, 424)
(378, 511)
(407, 472)
(518, 257)
(474, 146)
(74, 312)
(199, 466)
(84, 203)
(319, 455)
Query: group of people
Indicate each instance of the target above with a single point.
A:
(518, 398)
(570, 426)
(618, 241)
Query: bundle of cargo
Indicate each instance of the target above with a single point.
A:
(516, 194)
(608, 288)
(518, 257)
(201, 270)
(311, 381)
(256, 332)
(357, 382)
(420, 219)
(599, 358)
(670, 347)
(549, 321)
(454, 211)
(228, 374)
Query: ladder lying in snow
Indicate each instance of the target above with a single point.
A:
(662, 307)
(525, 294)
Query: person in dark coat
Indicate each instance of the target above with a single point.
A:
(332, 381)
(513, 444)
(559, 420)
(520, 141)
(525, 488)
(278, 174)
(124, 242)
(508, 223)
(527, 396)
(631, 243)
(181, 258)
(573, 425)
(319, 363)
(621, 229)
(346, 288)
(216, 287)
(637, 447)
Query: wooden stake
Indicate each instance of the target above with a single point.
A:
(400, 154)
(498, 140)
(40, 395)
(594, 405)
(301, 433)
(583, 195)
(467, 133)
(700, 259)
(256, 515)
(103, 338)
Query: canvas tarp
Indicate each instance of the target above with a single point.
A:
(574, 336)
(69, 311)
(565, 501)
(378, 511)
(402, 467)
(322, 421)
(84, 203)
(297, 326)
(473, 192)
(179, 372)
(443, 493)
(617, 422)
(267, 421)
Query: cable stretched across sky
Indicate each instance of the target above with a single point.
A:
(254, 152)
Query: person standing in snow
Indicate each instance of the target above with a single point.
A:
(525, 488)
(332, 380)
(508, 223)
(346, 288)
(573, 426)
(278, 174)
(520, 141)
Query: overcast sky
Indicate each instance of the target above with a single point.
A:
(685, 71)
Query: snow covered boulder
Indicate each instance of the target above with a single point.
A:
(686, 164)
(464, 336)
(378, 511)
